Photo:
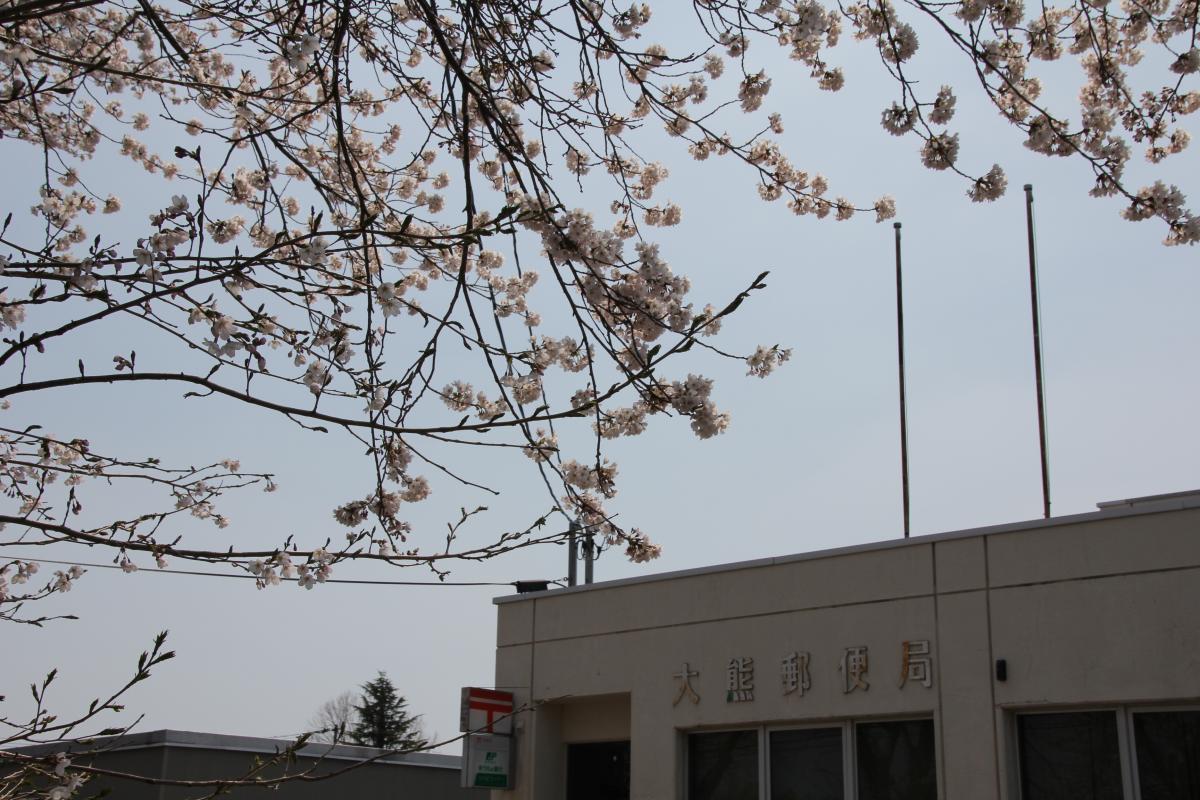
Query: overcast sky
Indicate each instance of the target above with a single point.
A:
(810, 461)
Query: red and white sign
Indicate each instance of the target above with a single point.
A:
(486, 711)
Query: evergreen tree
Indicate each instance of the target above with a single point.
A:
(383, 721)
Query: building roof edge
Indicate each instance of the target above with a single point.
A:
(1133, 507)
(247, 744)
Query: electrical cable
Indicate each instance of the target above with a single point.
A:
(252, 577)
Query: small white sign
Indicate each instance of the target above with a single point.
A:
(487, 761)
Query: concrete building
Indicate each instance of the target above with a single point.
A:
(1049, 660)
(188, 756)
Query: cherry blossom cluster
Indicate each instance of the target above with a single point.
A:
(13, 574)
(333, 224)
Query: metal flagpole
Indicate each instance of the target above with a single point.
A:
(903, 402)
(1037, 349)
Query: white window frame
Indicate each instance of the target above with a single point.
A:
(1130, 711)
(849, 787)
(1127, 751)
(852, 761)
(760, 743)
(849, 748)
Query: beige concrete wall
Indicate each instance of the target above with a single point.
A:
(596, 719)
(1087, 611)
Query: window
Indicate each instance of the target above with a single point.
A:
(896, 760)
(1168, 754)
(1117, 754)
(1069, 756)
(806, 764)
(723, 765)
(885, 760)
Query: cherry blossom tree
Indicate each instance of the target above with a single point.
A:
(363, 224)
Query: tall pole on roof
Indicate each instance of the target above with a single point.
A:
(589, 555)
(573, 553)
(1037, 349)
(903, 400)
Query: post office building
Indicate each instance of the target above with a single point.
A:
(1057, 659)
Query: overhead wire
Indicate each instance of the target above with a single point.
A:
(202, 574)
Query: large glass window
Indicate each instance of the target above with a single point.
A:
(806, 764)
(723, 765)
(1070, 756)
(896, 760)
(1168, 754)
(893, 760)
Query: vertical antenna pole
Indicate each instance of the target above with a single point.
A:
(1037, 349)
(903, 399)
(572, 553)
(589, 556)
